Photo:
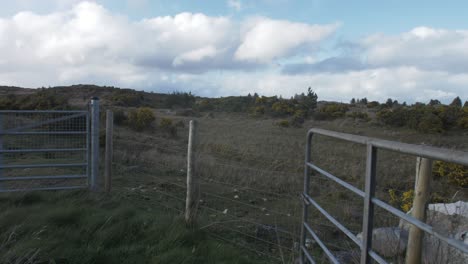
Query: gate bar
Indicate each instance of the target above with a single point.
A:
(9, 132)
(41, 150)
(50, 121)
(25, 166)
(448, 155)
(22, 178)
(45, 189)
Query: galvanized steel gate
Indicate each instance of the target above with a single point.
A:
(367, 254)
(49, 150)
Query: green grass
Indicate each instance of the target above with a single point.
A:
(83, 227)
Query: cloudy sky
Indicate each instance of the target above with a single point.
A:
(342, 49)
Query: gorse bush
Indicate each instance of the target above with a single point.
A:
(454, 173)
(141, 118)
(167, 125)
(403, 201)
(283, 123)
(431, 118)
(331, 111)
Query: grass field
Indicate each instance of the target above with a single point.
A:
(123, 227)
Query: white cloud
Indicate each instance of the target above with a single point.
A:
(265, 39)
(216, 55)
(422, 47)
(403, 83)
(195, 55)
(235, 4)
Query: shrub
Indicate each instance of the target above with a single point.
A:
(462, 121)
(141, 118)
(373, 104)
(282, 108)
(431, 123)
(392, 117)
(283, 123)
(126, 97)
(403, 201)
(331, 111)
(359, 115)
(298, 118)
(166, 124)
(454, 173)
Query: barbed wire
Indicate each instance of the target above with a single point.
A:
(211, 181)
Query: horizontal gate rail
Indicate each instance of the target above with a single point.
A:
(43, 133)
(57, 177)
(47, 122)
(25, 166)
(336, 179)
(42, 150)
(448, 155)
(43, 111)
(45, 189)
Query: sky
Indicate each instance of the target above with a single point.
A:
(410, 51)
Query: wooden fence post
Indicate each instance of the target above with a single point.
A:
(421, 197)
(191, 203)
(109, 150)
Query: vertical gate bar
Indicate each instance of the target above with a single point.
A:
(368, 217)
(95, 144)
(88, 152)
(109, 150)
(1, 146)
(305, 210)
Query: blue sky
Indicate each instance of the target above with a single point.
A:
(406, 50)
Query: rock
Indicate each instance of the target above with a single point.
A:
(458, 208)
(388, 241)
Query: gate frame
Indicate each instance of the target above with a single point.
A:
(367, 254)
(91, 150)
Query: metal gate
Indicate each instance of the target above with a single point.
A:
(49, 149)
(367, 254)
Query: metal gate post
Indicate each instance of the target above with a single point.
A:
(94, 144)
(368, 217)
(1, 147)
(305, 210)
